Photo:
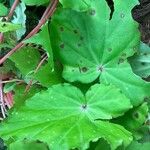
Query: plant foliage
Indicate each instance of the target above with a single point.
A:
(76, 78)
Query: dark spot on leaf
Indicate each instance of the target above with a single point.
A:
(73, 70)
(122, 15)
(79, 44)
(109, 49)
(83, 69)
(4, 25)
(123, 54)
(62, 45)
(75, 31)
(92, 12)
(136, 115)
(143, 63)
(38, 141)
(61, 29)
(121, 60)
(84, 106)
(145, 54)
(81, 38)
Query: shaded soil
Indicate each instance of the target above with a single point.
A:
(141, 13)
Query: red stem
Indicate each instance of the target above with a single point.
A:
(11, 12)
(47, 14)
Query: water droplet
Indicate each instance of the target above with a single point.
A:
(122, 15)
(92, 12)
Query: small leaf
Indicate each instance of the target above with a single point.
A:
(39, 39)
(64, 118)
(6, 27)
(26, 59)
(135, 118)
(20, 18)
(47, 77)
(141, 62)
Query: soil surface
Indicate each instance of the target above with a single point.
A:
(141, 13)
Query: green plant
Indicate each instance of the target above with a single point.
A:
(73, 85)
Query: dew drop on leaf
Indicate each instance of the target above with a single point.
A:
(122, 15)
(92, 12)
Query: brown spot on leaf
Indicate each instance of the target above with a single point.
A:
(92, 12)
(62, 45)
(61, 29)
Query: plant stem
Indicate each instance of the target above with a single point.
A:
(47, 14)
(8, 17)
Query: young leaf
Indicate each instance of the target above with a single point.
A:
(42, 38)
(20, 18)
(47, 77)
(6, 27)
(26, 59)
(64, 118)
(91, 46)
(141, 62)
(135, 118)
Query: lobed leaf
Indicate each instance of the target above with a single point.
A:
(64, 118)
(92, 46)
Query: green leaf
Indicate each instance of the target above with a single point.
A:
(64, 118)
(20, 18)
(91, 46)
(47, 77)
(139, 146)
(39, 39)
(9, 87)
(35, 2)
(27, 145)
(79, 5)
(141, 62)
(26, 59)
(7, 27)
(20, 96)
(135, 118)
(3, 9)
